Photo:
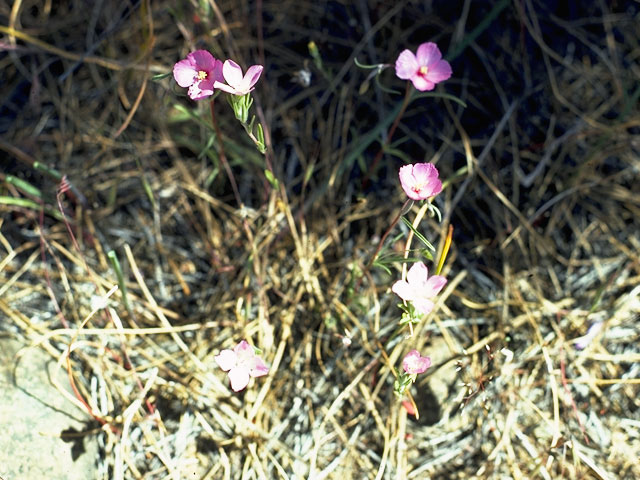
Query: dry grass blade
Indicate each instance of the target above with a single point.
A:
(533, 341)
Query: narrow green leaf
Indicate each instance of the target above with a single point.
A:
(420, 237)
(24, 186)
(160, 76)
(441, 95)
(26, 203)
(48, 170)
(115, 263)
(365, 66)
(260, 133)
(309, 173)
(376, 263)
(145, 184)
(271, 179)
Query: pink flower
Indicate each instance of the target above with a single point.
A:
(414, 363)
(424, 69)
(241, 363)
(238, 84)
(419, 288)
(198, 71)
(583, 342)
(420, 180)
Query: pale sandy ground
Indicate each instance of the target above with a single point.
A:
(33, 414)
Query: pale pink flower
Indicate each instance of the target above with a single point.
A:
(419, 288)
(237, 84)
(583, 342)
(241, 363)
(199, 71)
(424, 69)
(420, 180)
(414, 363)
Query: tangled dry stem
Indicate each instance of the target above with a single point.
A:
(543, 200)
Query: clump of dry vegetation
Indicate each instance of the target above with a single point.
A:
(127, 258)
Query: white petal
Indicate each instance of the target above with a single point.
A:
(226, 360)
(239, 377)
(418, 274)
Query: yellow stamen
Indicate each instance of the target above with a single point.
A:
(423, 70)
(202, 74)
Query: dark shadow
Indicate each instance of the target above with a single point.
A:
(76, 437)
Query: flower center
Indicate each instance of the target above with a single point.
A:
(201, 75)
(423, 70)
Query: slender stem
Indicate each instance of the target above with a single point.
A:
(223, 157)
(392, 130)
(386, 234)
(115, 263)
(250, 133)
(396, 122)
(407, 246)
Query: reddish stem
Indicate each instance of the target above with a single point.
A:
(386, 234)
(223, 157)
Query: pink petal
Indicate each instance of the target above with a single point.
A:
(403, 290)
(243, 348)
(430, 188)
(239, 377)
(434, 187)
(216, 72)
(406, 65)
(420, 181)
(226, 359)
(422, 83)
(406, 177)
(414, 363)
(203, 60)
(246, 354)
(232, 73)
(412, 194)
(252, 75)
(409, 358)
(434, 285)
(224, 87)
(583, 342)
(425, 171)
(439, 72)
(426, 174)
(184, 73)
(206, 85)
(260, 368)
(408, 182)
(418, 274)
(423, 305)
(428, 54)
(196, 93)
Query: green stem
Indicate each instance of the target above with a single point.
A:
(115, 263)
